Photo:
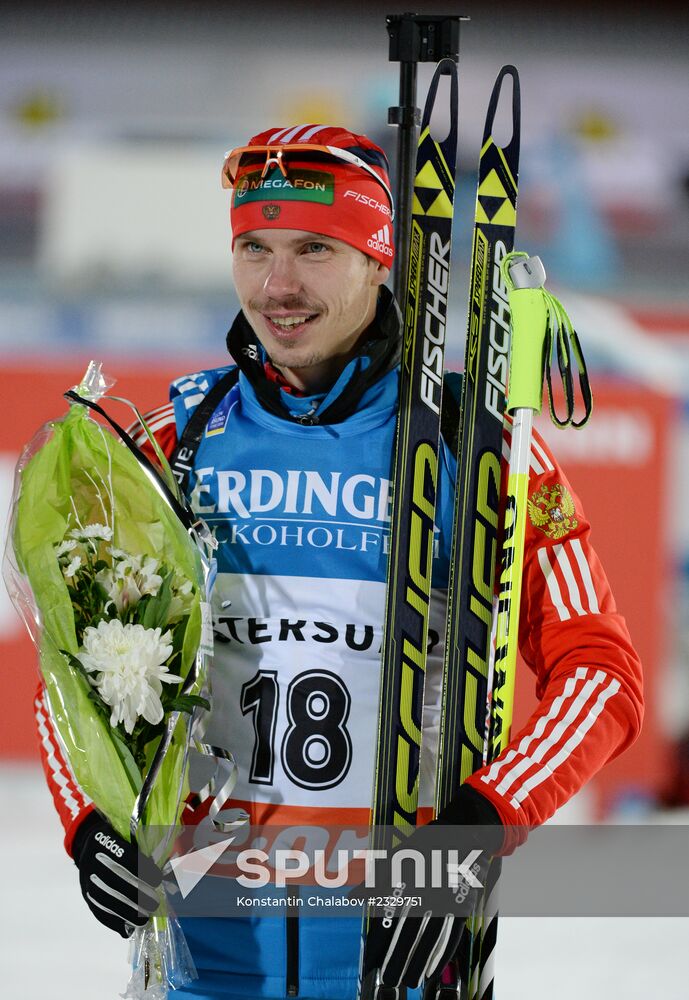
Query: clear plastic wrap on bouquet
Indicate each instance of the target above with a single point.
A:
(160, 960)
(111, 575)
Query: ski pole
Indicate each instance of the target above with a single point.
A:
(537, 318)
(414, 38)
(524, 280)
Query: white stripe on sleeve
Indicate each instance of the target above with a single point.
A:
(538, 461)
(539, 728)
(553, 585)
(586, 577)
(169, 418)
(545, 746)
(56, 767)
(572, 743)
(156, 421)
(538, 450)
(573, 589)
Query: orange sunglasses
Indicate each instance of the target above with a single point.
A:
(277, 156)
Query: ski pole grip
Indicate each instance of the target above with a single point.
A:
(524, 277)
(526, 272)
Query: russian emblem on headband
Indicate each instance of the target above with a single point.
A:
(552, 510)
(271, 212)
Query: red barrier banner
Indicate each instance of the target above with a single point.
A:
(32, 395)
(620, 465)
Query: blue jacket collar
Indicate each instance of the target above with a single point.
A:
(380, 352)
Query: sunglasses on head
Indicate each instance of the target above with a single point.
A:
(278, 156)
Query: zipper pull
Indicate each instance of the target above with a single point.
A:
(309, 418)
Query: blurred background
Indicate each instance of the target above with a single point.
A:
(114, 244)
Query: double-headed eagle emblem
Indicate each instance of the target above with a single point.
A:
(551, 508)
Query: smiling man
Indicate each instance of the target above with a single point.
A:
(308, 299)
(287, 455)
(312, 246)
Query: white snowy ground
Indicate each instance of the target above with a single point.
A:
(53, 949)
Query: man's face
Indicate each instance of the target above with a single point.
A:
(307, 297)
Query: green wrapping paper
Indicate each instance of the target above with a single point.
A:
(76, 472)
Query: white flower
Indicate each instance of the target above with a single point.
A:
(182, 598)
(128, 664)
(148, 579)
(130, 578)
(121, 589)
(66, 546)
(74, 565)
(102, 531)
(125, 563)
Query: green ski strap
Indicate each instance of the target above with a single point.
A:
(536, 308)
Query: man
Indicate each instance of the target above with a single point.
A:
(291, 469)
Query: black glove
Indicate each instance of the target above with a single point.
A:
(412, 948)
(117, 881)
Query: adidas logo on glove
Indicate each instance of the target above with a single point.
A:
(109, 844)
(380, 241)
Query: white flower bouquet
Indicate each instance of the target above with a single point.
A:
(113, 588)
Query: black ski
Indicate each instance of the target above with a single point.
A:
(465, 692)
(414, 477)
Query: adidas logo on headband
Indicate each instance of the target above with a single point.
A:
(380, 241)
